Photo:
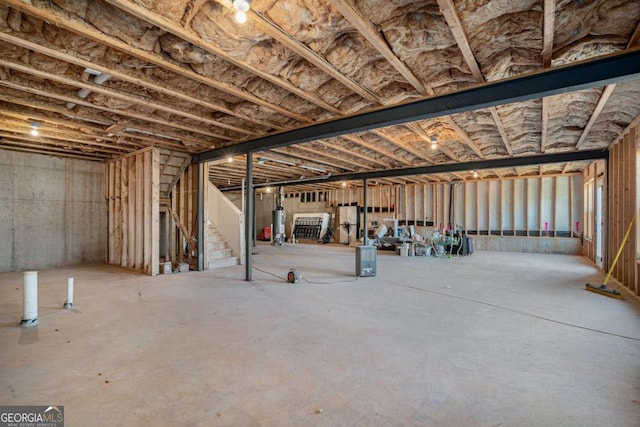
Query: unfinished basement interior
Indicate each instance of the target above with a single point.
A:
(320, 212)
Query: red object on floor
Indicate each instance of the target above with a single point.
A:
(266, 234)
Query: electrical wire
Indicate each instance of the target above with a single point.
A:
(329, 283)
(306, 280)
(268, 272)
(521, 312)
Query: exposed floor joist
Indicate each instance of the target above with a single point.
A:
(612, 68)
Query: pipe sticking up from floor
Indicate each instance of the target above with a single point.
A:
(30, 299)
(68, 304)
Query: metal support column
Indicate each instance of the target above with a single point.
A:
(365, 236)
(248, 220)
(201, 176)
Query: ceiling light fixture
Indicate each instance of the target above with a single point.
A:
(230, 159)
(241, 7)
(344, 183)
(434, 142)
(34, 129)
(475, 173)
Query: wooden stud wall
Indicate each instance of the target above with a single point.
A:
(133, 198)
(623, 206)
(183, 232)
(484, 207)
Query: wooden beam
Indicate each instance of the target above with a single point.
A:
(368, 31)
(545, 125)
(448, 9)
(112, 93)
(465, 137)
(274, 31)
(548, 29)
(71, 23)
(53, 150)
(43, 47)
(401, 144)
(65, 98)
(165, 24)
(500, 127)
(602, 101)
(606, 94)
(176, 177)
(451, 16)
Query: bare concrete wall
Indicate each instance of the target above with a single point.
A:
(52, 211)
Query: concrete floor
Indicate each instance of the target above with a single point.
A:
(495, 339)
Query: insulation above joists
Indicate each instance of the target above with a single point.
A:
(184, 76)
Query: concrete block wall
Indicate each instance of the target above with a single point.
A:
(52, 211)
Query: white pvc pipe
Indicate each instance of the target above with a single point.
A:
(30, 299)
(69, 302)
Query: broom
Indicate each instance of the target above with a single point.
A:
(602, 289)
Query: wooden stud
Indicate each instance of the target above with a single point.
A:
(131, 207)
(146, 223)
(139, 242)
(540, 198)
(110, 171)
(117, 206)
(124, 184)
(155, 212)
(571, 207)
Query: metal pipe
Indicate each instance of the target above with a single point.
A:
(68, 304)
(200, 213)
(248, 220)
(30, 299)
(365, 236)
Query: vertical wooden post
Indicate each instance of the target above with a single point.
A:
(155, 212)
(147, 221)
(124, 184)
(131, 205)
(110, 169)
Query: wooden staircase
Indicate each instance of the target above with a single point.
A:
(218, 252)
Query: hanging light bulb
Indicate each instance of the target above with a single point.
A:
(434, 142)
(241, 17)
(230, 159)
(475, 173)
(34, 129)
(344, 183)
(241, 5)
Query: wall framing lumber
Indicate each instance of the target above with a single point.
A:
(133, 197)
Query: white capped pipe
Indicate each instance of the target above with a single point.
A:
(68, 304)
(30, 299)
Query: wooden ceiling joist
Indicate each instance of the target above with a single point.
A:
(71, 23)
(166, 25)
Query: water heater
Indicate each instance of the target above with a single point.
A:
(278, 226)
